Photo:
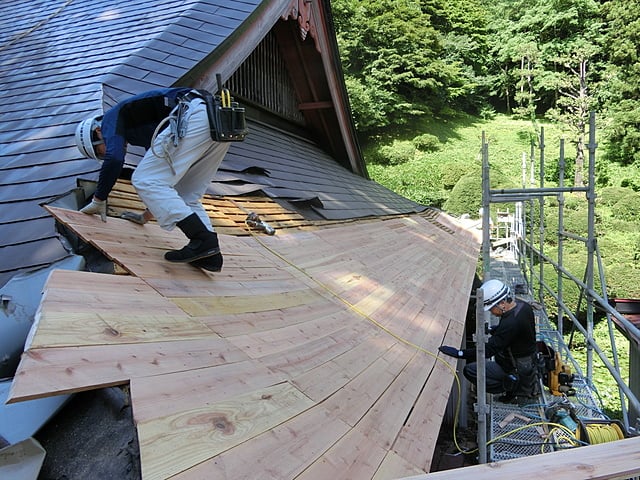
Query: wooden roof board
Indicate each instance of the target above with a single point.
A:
(604, 461)
(241, 419)
(228, 213)
(317, 365)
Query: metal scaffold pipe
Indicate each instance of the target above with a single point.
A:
(528, 257)
(482, 407)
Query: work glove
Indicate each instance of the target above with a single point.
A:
(452, 352)
(134, 217)
(96, 207)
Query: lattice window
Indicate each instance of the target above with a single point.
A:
(263, 79)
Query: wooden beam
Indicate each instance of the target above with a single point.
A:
(607, 461)
(315, 105)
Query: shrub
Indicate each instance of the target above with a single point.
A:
(609, 196)
(452, 172)
(576, 221)
(427, 143)
(552, 170)
(627, 207)
(466, 196)
(631, 183)
(373, 156)
(399, 152)
(575, 202)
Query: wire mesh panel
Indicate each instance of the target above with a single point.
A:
(515, 431)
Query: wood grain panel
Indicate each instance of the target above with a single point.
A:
(76, 329)
(606, 461)
(352, 402)
(322, 381)
(191, 388)
(66, 370)
(312, 354)
(394, 466)
(283, 452)
(253, 302)
(353, 456)
(253, 322)
(172, 444)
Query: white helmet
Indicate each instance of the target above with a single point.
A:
(83, 136)
(494, 292)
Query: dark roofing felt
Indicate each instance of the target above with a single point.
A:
(63, 61)
(294, 169)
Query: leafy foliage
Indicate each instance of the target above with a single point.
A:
(622, 88)
(397, 153)
(455, 170)
(628, 207)
(466, 196)
(427, 142)
(547, 52)
(609, 196)
(398, 66)
(407, 60)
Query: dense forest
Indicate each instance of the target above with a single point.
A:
(407, 60)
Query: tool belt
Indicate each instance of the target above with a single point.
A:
(226, 118)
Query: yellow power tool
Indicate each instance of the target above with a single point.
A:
(561, 378)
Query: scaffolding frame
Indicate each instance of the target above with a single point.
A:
(523, 241)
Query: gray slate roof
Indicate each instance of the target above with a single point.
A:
(63, 61)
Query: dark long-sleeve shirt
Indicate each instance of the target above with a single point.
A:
(516, 331)
(132, 121)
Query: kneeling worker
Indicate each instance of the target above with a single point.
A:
(180, 161)
(512, 343)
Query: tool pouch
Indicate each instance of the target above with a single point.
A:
(226, 118)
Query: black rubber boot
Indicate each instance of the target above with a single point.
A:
(203, 242)
(212, 264)
(507, 398)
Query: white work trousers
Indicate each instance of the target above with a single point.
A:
(172, 194)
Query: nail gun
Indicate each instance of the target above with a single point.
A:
(561, 378)
(556, 375)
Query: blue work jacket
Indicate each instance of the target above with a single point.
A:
(132, 121)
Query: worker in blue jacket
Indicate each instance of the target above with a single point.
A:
(181, 159)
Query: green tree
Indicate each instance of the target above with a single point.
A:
(576, 58)
(552, 48)
(576, 100)
(462, 25)
(399, 67)
(514, 56)
(390, 54)
(622, 89)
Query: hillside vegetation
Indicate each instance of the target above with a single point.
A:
(425, 78)
(447, 175)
